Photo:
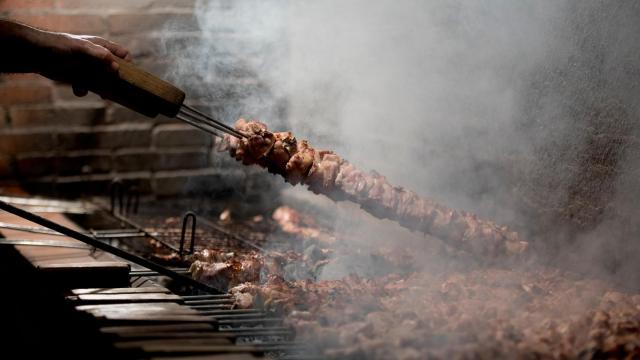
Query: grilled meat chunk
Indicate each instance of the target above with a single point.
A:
(223, 275)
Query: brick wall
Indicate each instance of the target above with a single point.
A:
(54, 141)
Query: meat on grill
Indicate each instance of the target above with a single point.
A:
(224, 270)
(326, 173)
(473, 314)
(287, 297)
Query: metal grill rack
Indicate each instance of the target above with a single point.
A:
(142, 319)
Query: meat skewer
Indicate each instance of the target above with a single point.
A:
(326, 173)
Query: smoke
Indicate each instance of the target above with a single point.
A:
(425, 90)
(486, 106)
(426, 93)
(232, 67)
(519, 111)
(524, 112)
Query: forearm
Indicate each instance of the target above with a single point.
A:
(20, 47)
(69, 58)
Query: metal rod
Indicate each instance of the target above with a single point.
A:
(47, 205)
(202, 127)
(155, 273)
(196, 120)
(116, 192)
(124, 233)
(230, 130)
(201, 297)
(106, 247)
(207, 302)
(183, 235)
(30, 229)
(231, 312)
(264, 330)
(249, 316)
(133, 200)
(250, 321)
(48, 243)
(155, 236)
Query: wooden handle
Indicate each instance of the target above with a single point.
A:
(140, 91)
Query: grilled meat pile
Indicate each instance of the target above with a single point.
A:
(475, 314)
(223, 269)
(534, 312)
(326, 173)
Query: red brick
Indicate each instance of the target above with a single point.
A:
(69, 186)
(11, 94)
(3, 116)
(35, 166)
(88, 184)
(8, 5)
(177, 159)
(78, 24)
(146, 159)
(170, 183)
(43, 115)
(140, 46)
(5, 166)
(32, 165)
(188, 4)
(101, 4)
(21, 140)
(172, 135)
(117, 114)
(106, 137)
(179, 44)
(157, 67)
(120, 24)
(125, 4)
(64, 93)
(134, 160)
(221, 89)
(85, 163)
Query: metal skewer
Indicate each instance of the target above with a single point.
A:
(200, 126)
(206, 123)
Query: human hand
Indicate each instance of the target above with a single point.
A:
(74, 58)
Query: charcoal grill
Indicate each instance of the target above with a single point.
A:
(192, 318)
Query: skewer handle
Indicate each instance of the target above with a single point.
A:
(140, 91)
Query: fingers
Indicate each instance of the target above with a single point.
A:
(115, 49)
(99, 53)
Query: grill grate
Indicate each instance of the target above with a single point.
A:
(147, 320)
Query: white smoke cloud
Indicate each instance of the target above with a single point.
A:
(453, 99)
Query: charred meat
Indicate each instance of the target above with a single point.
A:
(477, 314)
(326, 173)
